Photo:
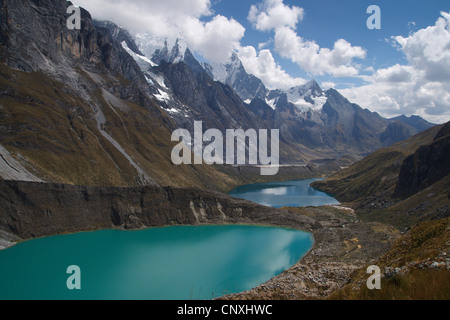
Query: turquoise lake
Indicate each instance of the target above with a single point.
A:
(296, 193)
(172, 263)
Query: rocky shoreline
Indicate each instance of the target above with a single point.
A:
(342, 246)
(342, 243)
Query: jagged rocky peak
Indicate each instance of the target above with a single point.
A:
(234, 74)
(119, 34)
(160, 48)
(235, 66)
(311, 88)
(304, 98)
(225, 72)
(174, 55)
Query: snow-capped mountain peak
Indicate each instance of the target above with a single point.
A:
(303, 98)
(308, 96)
(225, 72)
(159, 48)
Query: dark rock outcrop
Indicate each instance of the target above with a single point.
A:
(426, 166)
(31, 210)
(36, 38)
(119, 34)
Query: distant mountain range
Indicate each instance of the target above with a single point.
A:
(314, 124)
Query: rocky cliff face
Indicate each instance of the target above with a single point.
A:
(212, 102)
(37, 38)
(119, 34)
(32, 210)
(426, 166)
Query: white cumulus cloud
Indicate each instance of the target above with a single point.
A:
(315, 60)
(263, 65)
(215, 39)
(273, 14)
(422, 86)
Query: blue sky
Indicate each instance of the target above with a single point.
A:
(404, 68)
(326, 21)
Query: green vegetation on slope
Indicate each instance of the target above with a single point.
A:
(56, 131)
(415, 268)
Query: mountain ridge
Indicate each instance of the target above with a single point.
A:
(316, 124)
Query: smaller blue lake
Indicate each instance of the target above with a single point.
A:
(296, 193)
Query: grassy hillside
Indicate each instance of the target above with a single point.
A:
(417, 267)
(376, 173)
(55, 133)
(429, 204)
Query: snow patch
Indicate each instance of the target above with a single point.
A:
(306, 98)
(159, 79)
(162, 96)
(172, 110)
(101, 121)
(272, 103)
(219, 72)
(141, 60)
(149, 81)
(303, 105)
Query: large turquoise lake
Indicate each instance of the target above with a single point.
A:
(173, 263)
(296, 193)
